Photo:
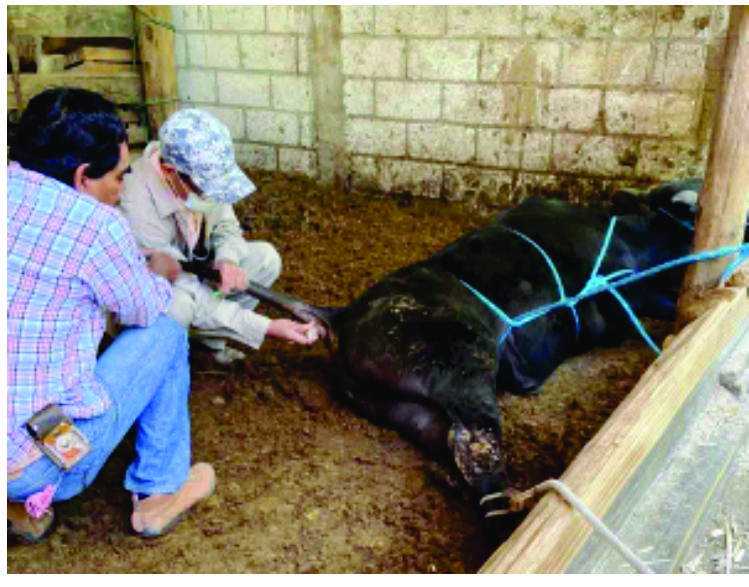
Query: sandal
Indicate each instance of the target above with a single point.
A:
(27, 529)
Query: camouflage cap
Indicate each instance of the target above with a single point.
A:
(200, 145)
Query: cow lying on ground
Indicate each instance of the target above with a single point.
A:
(422, 352)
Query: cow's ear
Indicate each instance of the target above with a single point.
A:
(688, 197)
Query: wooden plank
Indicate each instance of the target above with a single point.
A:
(15, 94)
(101, 68)
(159, 68)
(552, 534)
(108, 54)
(136, 134)
(724, 198)
(72, 20)
(122, 88)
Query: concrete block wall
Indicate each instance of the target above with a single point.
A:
(490, 102)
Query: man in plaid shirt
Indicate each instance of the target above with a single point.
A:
(71, 258)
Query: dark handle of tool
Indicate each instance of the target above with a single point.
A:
(289, 304)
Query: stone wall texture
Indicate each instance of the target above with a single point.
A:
(459, 102)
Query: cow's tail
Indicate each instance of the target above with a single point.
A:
(298, 309)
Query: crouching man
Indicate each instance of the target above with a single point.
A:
(178, 200)
(72, 258)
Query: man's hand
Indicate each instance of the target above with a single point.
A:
(162, 264)
(233, 277)
(291, 331)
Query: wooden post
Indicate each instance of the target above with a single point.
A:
(156, 49)
(723, 200)
(616, 466)
(15, 63)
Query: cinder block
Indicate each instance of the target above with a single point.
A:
(267, 126)
(196, 50)
(268, 53)
(670, 114)
(289, 19)
(714, 65)
(442, 142)
(297, 161)
(221, 51)
(593, 155)
(357, 19)
(485, 21)
(196, 86)
(256, 156)
(407, 100)
(500, 147)
(358, 97)
(420, 179)
(631, 112)
(690, 19)
(477, 104)
(572, 109)
(238, 18)
(423, 20)
(680, 65)
(304, 48)
(582, 62)
(627, 63)
(180, 50)
(550, 21)
(634, 22)
(231, 117)
(719, 20)
(531, 185)
(307, 131)
(537, 151)
(373, 57)
(193, 17)
(291, 92)
(567, 108)
(535, 62)
(178, 18)
(479, 187)
(363, 173)
(677, 114)
(376, 137)
(665, 158)
(663, 16)
(243, 89)
(455, 60)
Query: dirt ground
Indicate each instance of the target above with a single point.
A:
(304, 484)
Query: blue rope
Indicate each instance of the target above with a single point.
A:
(599, 283)
(684, 223)
(731, 267)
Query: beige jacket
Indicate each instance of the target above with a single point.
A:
(159, 224)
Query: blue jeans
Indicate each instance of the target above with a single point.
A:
(147, 376)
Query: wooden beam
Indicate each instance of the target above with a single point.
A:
(121, 88)
(72, 20)
(14, 79)
(551, 536)
(159, 68)
(725, 194)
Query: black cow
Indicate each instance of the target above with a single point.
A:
(420, 352)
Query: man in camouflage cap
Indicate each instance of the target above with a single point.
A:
(178, 200)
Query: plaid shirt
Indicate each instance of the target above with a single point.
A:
(70, 258)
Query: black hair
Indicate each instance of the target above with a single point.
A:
(63, 128)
